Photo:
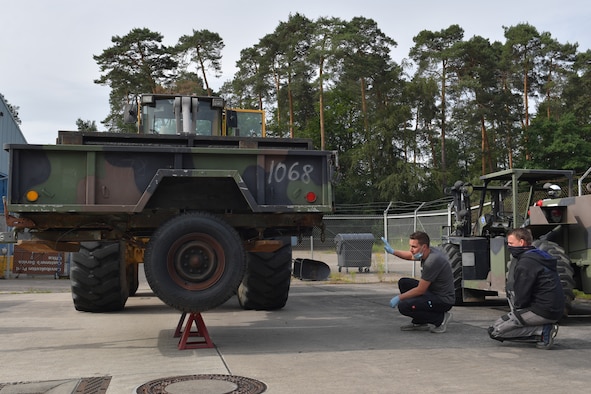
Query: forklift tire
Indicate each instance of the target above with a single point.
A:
(455, 259)
(267, 280)
(133, 282)
(98, 278)
(565, 270)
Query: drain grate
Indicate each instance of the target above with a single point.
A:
(97, 385)
(243, 385)
(93, 385)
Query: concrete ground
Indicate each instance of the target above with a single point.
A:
(334, 336)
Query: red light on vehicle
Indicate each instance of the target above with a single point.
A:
(556, 215)
(311, 197)
(539, 203)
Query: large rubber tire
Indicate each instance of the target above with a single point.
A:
(455, 259)
(268, 277)
(98, 277)
(195, 262)
(133, 280)
(565, 271)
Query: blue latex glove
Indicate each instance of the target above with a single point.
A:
(387, 246)
(394, 301)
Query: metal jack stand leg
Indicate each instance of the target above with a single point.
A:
(186, 332)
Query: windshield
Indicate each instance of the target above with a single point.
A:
(162, 118)
(247, 123)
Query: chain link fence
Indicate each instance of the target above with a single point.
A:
(398, 221)
(395, 227)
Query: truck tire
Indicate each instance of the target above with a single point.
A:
(268, 277)
(565, 270)
(98, 277)
(195, 262)
(133, 280)
(455, 259)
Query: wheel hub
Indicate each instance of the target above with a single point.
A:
(196, 261)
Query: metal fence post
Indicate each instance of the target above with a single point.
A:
(416, 212)
(386, 235)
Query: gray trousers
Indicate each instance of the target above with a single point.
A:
(518, 324)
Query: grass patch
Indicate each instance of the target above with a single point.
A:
(339, 277)
(581, 296)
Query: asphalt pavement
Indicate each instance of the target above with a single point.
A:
(333, 336)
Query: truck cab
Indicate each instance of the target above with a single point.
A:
(166, 114)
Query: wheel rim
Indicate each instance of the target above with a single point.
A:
(196, 261)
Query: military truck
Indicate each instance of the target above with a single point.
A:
(199, 195)
(540, 200)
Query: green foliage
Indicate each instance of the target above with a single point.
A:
(560, 143)
(203, 49)
(86, 125)
(136, 63)
(469, 107)
(13, 110)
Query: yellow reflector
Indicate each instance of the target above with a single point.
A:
(32, 195)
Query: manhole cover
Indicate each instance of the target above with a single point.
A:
(226, 384)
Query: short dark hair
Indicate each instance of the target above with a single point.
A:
(422, 237)
(522, 233)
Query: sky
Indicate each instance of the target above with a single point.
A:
(46, 47)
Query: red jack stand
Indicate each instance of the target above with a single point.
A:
(185, 333)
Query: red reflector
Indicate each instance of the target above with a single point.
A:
(311, 197)
(556, 215)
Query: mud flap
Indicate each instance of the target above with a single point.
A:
(306, 269)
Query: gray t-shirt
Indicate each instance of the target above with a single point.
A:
(437, 270)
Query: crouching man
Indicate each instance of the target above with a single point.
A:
(534, 292)
(428, 300)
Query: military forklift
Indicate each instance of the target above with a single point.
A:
(540, 200)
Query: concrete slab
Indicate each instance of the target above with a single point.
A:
(332, 337)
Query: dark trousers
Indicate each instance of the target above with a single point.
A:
(423, 309)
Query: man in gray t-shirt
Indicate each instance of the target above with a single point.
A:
(429, 299)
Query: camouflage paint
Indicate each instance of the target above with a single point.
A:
(129, 186)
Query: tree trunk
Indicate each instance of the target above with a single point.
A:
(321, 103)
(277, 86)
(526, 123)
(290, 106)
(202, 65)
(443, 164)
(485, 148)
(364, 108)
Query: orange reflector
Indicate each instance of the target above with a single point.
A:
(32, 195)
(311, 197)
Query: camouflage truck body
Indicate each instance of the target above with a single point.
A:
(209, 216)
(118, 190)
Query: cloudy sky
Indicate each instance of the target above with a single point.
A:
(46, 47)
